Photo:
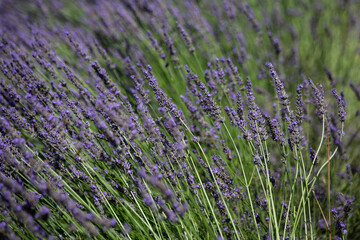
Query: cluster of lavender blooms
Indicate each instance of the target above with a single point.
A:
(164, 120)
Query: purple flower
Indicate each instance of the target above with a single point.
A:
(155, 45)
(330, 76)
(299, 105)
(275, 131)
(319, 98)
(255, 115)
(356, 90)
(341, 105)
(279, 86)
(185, 37)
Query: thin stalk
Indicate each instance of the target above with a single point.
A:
(319, 147)
(270, 190)
(217, 186)
(207, 198)
(329, 168)
(290, 200)
(245, 178)
(220, 193)
(308, 200)
(322, 213)
(266, 192)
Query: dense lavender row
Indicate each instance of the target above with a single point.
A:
(179, 120)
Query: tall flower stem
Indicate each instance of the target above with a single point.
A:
(245, 179)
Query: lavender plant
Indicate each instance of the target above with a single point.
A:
(179, 120)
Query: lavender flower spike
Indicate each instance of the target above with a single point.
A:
(341, 105)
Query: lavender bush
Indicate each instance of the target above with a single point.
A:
(179, 119)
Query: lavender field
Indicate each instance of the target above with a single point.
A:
(192, 119)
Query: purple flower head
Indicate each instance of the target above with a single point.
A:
(330, 76)
(319, 98)
(355, 90)
(185, 37)
(341, 105)
(300, 106)
(279, 86)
